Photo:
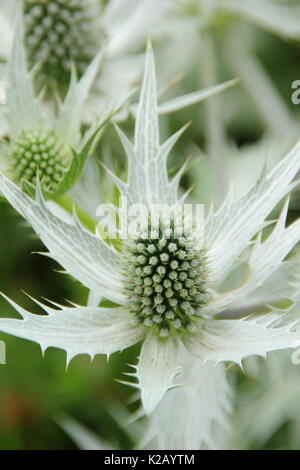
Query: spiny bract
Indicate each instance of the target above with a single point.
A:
(166, 279)
(39, 153)
(61, 33)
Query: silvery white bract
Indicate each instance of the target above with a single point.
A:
(187, 354)
(277, 16)
(273, 402)
(243, 164)
(6, 25)
(83, 438)
(255, 420)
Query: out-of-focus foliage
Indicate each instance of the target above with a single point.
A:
(35, 389)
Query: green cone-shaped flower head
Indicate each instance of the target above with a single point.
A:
(38, 154)
(61, 33)
(166, 278)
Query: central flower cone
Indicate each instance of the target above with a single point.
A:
(166, 279)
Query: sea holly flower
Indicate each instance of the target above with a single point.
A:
(119, 29)
(61, 34)
(167, 279)
(54, 152)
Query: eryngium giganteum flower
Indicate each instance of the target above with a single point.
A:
(166, 293)
(61, 34)
(54, 152)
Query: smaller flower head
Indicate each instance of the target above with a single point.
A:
(38, 153)
(52, 152)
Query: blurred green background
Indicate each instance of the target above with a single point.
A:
(33, 389)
